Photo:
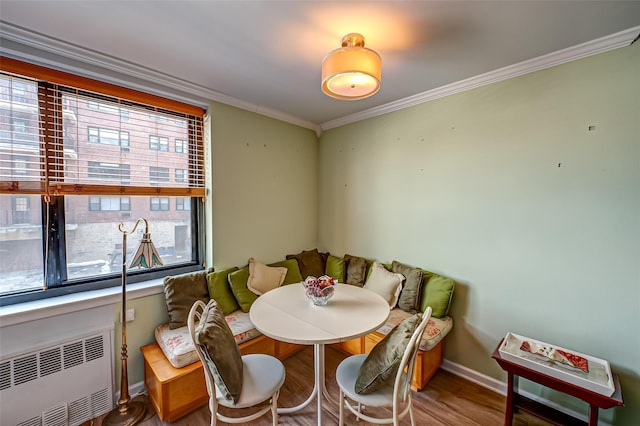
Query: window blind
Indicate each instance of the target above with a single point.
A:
(85, 138)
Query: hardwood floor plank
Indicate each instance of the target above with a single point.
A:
(447, 400)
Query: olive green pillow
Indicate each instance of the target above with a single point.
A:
(409, 300)
(383, 362)
(335, 268)
(181, 292)
(437, 292)
(220, 291)
(222, 354)
(310, 263)
(293, 271)
(356, 270)
(238, 282)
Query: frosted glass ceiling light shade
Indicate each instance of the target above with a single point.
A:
(353, 71)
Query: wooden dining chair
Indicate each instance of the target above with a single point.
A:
(262, 378)
(394, 394)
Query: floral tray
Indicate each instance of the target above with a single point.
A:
(598, 378)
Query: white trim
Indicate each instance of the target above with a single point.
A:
(201, 96)
(603, 44)
(501, 388)
(45, 308)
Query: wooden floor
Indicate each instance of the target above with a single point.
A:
(446, 400)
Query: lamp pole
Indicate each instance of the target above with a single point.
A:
(130, 412)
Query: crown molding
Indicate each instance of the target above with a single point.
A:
(88, 63)
(91, 64)
(600, 45)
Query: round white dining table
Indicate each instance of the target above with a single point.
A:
(286, 314)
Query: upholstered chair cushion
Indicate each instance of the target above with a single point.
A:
(381, 365)
(181, 292)
(221, 352)
(220, 291)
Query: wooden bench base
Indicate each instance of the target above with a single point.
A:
(427, 363)
(175, 392)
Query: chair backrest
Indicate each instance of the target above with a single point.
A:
(192, 322)
(404, 376)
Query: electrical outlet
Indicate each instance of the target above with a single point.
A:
(131, 314)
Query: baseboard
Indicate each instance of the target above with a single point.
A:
(134, 390)
(501, 388)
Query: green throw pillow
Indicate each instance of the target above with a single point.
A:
(222, 354)
(409, 300)
(384, 360)
(437, 292)
(181, 292)
(238, 282)
(335, 268)
(293, 271)
(220, 291)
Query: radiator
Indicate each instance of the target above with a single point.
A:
(57, 383)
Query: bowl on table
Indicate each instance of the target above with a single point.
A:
(319, 290)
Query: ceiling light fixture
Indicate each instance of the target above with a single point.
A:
(353, 71)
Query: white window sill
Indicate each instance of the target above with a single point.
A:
(38, 309)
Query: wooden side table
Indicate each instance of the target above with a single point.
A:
(515, 400)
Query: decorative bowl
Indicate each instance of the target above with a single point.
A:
(319, 290)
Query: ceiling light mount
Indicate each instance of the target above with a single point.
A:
(353, 71)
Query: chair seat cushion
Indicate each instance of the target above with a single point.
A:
(177, 346)
(437, 328)
(346, 376)
(262, 376)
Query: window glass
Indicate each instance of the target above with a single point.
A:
(21, 268)
(94, 243)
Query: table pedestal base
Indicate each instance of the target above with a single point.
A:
(319, 387)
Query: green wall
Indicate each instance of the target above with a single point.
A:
(262, 202)
(264, 188)
(505, 189)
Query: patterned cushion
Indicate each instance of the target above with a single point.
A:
(437, 328)
(177, 346)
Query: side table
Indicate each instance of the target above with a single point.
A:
(515, 400)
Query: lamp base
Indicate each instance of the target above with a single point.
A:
(136, 412)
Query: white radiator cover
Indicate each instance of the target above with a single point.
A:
(57, 371)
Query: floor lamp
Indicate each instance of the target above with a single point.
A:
(131, 412)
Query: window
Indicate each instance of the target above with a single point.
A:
(181, 146)
(183, 204)
(158, 174)
(20, 165)
(64, 190)
(108, 136)
(181, 175)
(159, 204)
(21, 206)
(159, 143)
(106, 171)
(104, 204)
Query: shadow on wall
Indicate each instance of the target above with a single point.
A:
(468, 345)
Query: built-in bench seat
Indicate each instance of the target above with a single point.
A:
(173, 373)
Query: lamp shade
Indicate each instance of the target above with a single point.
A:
(146, 256)
(353, 71)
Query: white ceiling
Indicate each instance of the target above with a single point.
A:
(266, 55)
